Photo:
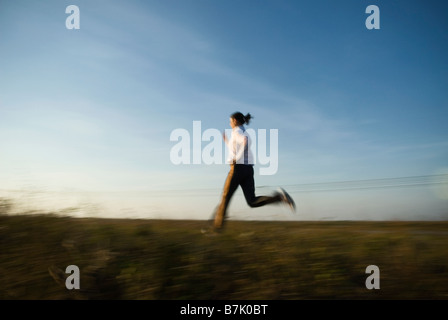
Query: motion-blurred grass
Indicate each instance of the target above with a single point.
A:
(162, 259)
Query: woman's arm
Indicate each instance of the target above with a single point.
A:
(225, 138)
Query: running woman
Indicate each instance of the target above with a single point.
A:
(241, 173)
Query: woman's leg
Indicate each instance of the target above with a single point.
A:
(230, 187)
(248, 185)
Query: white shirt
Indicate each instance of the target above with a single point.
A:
(239, 147)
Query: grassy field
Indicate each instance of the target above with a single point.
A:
(162, 259)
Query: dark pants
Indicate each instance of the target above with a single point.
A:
(240, 175)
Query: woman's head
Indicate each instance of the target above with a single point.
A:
(238, 119)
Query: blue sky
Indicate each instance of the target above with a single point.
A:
(90, 111)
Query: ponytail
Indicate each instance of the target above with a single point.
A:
(241, 119)
(247, 118)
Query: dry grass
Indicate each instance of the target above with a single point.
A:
(155, 259)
